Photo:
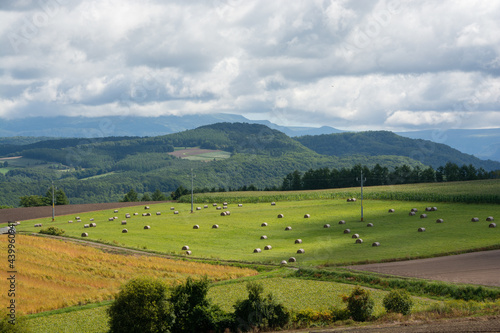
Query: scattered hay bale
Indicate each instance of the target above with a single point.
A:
(292, 259)
(301, 251)
(205, 206)
(116, 210)
(439, 221)
(492, 225)
(391, 210)
(214, 204)
(147, 227)
(185, 247)
(412, 214)
(223, 214)
(307, 216)
(298, 241)
(70, 221)
(414, 210)
(224, 203)
(111, 219)
(158, 213)
(433, 209)
(116, 217)
(172, 208)
(326, 226)
(91, 219)
(240, 205)
(124, 231)
(268, 247)
(355, 236)
(351, 199)
(423, 216)
(84, 234)
(273, 203)
(86, 226)
(146, 207)
(219, 208)
(341, 222)
(263, 237)
(347, 231)
(144, 214)
(135, 214)
(283, 262)
(288, 228)
(428, 209)
(176, 212)
(38, 225)
(228, 213)
(257, 250)
(77, 218)
(215, 226)
(369, 225)
(421, 229)
(474, 219)
(196, 226)
(280, 216)
(490, 218)
(124, 222)
(264, 224)
(198, 208)
(375, 244)
(188, 253)
(93, 225)
(358, 241)
(127, 216)
(224, 207)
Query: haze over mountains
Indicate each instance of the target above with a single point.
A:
(484, 143)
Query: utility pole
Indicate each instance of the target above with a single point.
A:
(53, 203)
(362, 179)
(192, 183)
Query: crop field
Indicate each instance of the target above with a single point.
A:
(54, 274)
(239, 233)
(197, 154)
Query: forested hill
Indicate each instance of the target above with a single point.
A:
(374, 143)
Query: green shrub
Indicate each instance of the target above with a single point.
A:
(55, 231)
(141, 306)
(398, 301)
(259, 312)
(359, 304)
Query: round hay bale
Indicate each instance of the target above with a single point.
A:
(144, 214)
(111, 219)
(240, 205)
(326, 226)
(147, 227)
(158, 213)
(439, 221)
(185, 247)
(493, 225)
(86, 226)
(176, 212)
(257, 250)
(93, 225)
(146, 207)
(205, 206)
(214, 204)
(369, 225)
(423, 216)
(474, 219)
(298, 241)
(215, 226)
(70, 221)
(347, 231)
(292, 259)
(391, 210)
(91, 219)
(84, 234)
(412, 214)
(127, 216)
(263, 237)
(341, 222)
(375, 244)
(172, 208)
(116, 217)
(280, 216)
(358, 241)
(490, 218)
(124, 222)
(198, 208)
(223, 214)
(77, 218)
(355, 236)
(219, 208)
(196, 226)
(288, 228)
(268, 247)
(301, 251)
(224, 207)
(433, 209)
(124, 231)
(307, 216)
(283, 262)
(428, 209)
(421, 229)
(228, 213)
(224, 203)
(273, 203)
(116, 210)
(264, 224)
(414, 210)
(135, 214)
(188, 253)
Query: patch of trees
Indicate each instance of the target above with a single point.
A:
(38, 200)
(324, 178)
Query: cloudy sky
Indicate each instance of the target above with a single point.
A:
(353, 65)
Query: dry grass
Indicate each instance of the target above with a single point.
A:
(54, 274)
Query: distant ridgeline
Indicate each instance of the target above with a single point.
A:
(256, 157)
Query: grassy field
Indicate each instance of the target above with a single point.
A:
(197, 154)
(240, 233)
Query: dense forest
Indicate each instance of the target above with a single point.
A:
(105, 169)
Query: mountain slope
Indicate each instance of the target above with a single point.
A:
(373, 143)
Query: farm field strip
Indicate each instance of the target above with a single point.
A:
(240, 232)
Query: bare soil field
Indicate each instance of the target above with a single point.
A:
(30, 213)
(481, 268)
(192, 152)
